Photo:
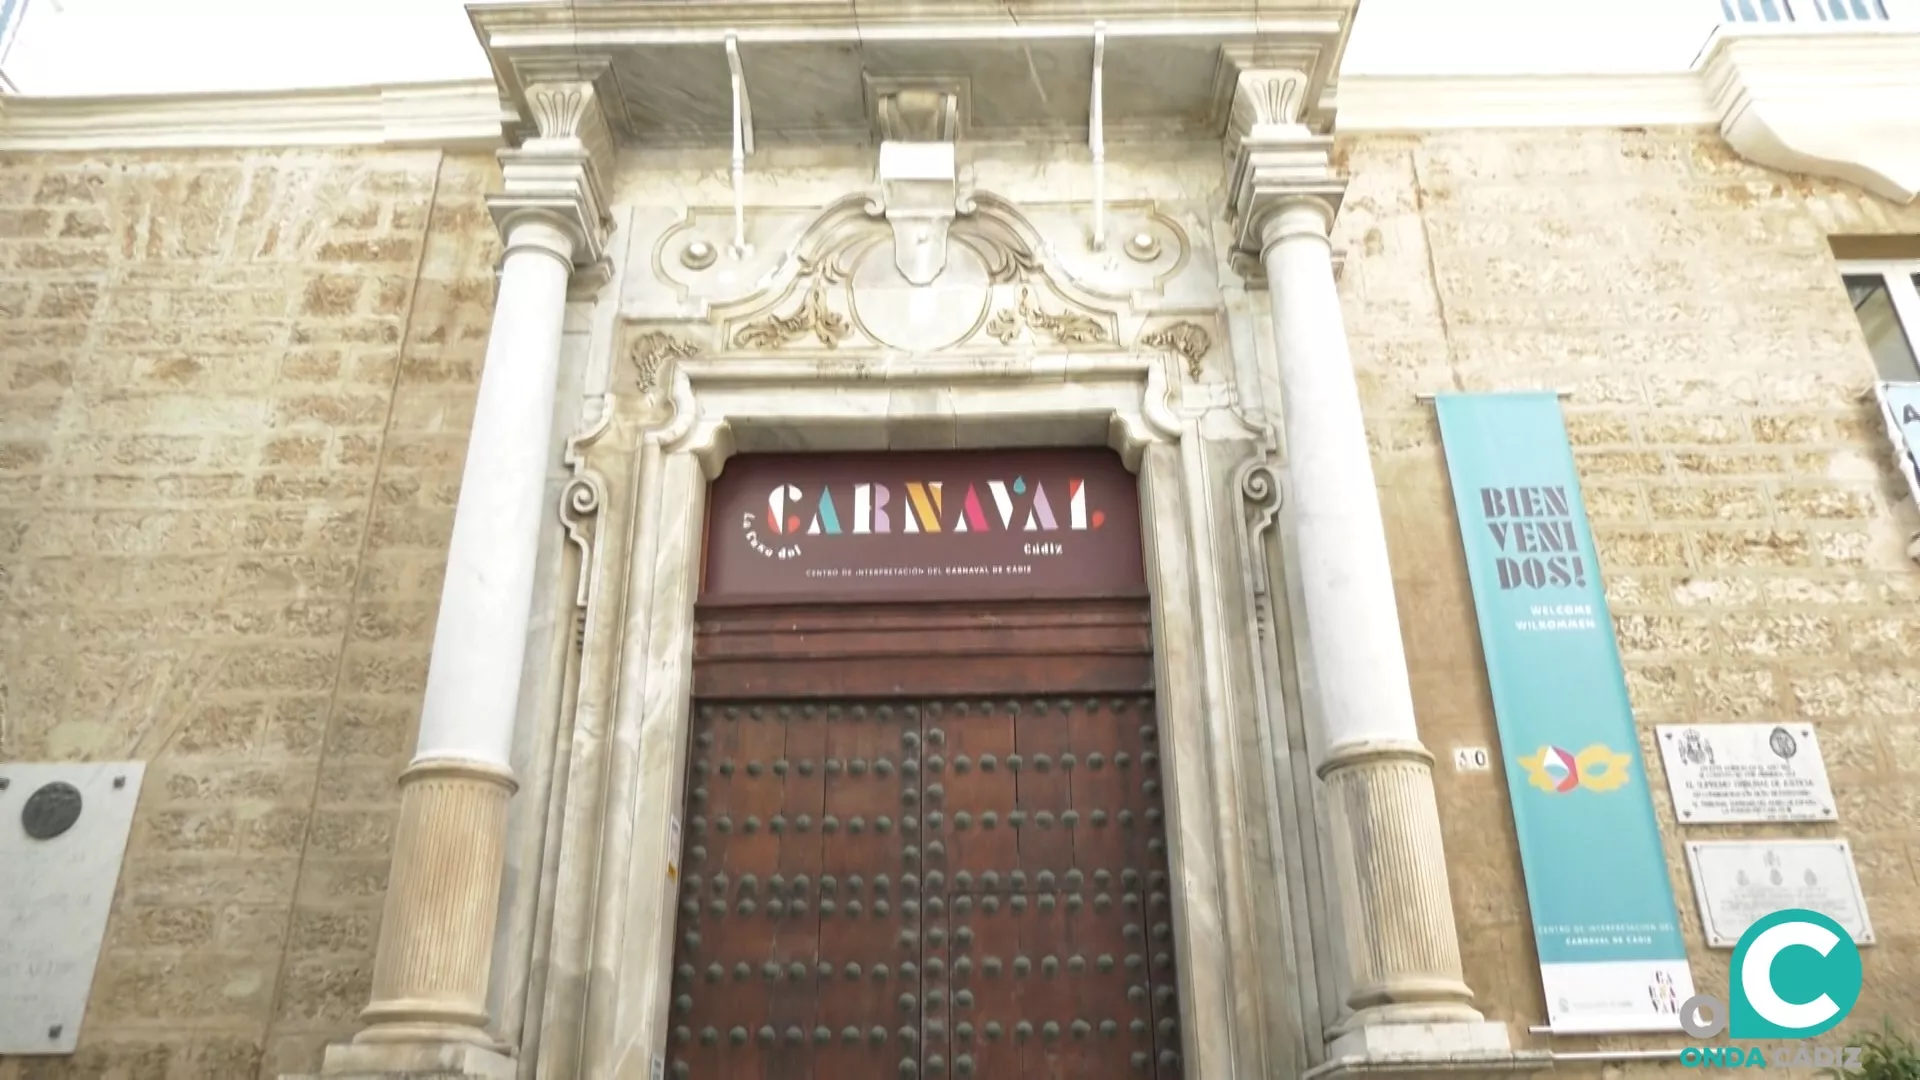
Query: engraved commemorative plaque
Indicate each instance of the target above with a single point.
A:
(63, 834)
(1740, 773)
(1740, 881)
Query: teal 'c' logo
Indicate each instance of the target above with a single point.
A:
(1796, 974)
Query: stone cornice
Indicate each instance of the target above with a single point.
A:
(1415, 103)
(450, 115)
(775, 20)
(1839, 103)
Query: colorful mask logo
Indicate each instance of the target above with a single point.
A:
(1597, 768)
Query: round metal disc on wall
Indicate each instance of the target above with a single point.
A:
(52, 810)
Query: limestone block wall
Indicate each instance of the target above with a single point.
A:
(234, 395)
(1749, 524)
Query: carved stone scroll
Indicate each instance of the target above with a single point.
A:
(1065, 328)
(813, 317)
(1189, 339)
(652, 351)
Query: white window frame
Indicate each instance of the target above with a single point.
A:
(1898, 277)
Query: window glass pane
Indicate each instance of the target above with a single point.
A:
(1753, 10)
(1892, 352)
(1852, 10)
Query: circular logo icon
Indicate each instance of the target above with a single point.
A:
(1796, 973)
(1782, 744)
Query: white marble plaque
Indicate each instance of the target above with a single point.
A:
(1731, 773)
(56, 888)
(1738, 882)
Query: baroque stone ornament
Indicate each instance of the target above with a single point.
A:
(838, 287)
(580, 512)
(1066, 328)
(1267, 97)
(586, 492)
(1189, 339)
(813, 317)
(919, 178)
(650, 353)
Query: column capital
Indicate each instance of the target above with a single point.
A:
(1272, 157)
(558, 172)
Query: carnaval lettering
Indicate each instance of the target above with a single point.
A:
(927, 507)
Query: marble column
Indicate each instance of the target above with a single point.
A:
(1405, 985)
(431, 970)
(1392, 871)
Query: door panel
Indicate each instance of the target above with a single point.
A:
(1051, 976)
(868, 929)
(978, 789)
(971, 887)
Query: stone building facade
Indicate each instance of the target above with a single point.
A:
(239, 386)
(242, 387)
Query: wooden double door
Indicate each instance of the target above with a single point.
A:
(963, 885)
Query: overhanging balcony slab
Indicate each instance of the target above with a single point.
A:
(813, 69)
(1839, 100)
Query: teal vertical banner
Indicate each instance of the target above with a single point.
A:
(1612, 958)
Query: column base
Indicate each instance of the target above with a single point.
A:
(412, 1061)
(1414, 1051)
(436, 935)
(1391, 873)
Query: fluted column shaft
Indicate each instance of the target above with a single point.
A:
(1402, 946)
(436, 937)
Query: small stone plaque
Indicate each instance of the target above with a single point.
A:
(63, 834)
(1472, 759)
(1733, 773)
(1740, 881)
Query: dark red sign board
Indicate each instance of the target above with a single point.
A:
(997, 525)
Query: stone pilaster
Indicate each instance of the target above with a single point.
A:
(1410, 1005)
(428, 1010)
